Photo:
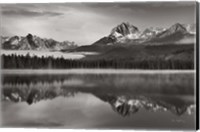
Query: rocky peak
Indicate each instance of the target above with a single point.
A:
(31, 41)
(124, 29)
(177, 28)
(15, 37)
(14, 40)
(124, 32)
(29, 36)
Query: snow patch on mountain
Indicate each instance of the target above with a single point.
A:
(33, 42)
(191, 28)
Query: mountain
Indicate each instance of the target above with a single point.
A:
(120, 34)
(105, 41)
(127, 34)
(127, 44)
(176, 34)
(124, 31)
(191, 28)
(32, 42)
(150, 32)
(172, 34)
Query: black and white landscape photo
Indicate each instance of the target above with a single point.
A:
(126, 65)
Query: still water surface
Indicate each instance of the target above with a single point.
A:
(99, 101)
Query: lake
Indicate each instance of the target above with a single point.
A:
(98, 99)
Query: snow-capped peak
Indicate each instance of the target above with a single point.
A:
(150, 32)
(191, 28)
(33, 42)
(124, 31)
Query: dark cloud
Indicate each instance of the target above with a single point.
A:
(28, 13)
(133, 5)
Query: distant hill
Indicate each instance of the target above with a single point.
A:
(145, 52)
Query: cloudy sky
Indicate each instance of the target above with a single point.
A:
(85, 23)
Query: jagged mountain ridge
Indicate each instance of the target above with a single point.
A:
(172, 34)
(32, 42)
(126, 33)
(173, 43)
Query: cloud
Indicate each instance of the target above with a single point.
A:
(24, 12)
(133, 5)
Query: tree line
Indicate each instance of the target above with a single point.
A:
(35, 62)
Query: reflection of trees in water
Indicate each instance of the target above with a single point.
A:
(182, 84)
(124, 103)
(117, 90)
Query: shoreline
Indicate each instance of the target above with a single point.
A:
(94, 71)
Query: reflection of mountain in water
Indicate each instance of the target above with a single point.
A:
(33, 93)
(125, 106)
(124, 102)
